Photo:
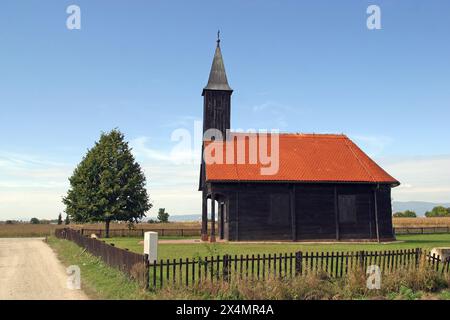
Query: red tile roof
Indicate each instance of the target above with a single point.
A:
(303, 158)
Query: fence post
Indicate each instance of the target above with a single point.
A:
(417, 256)
(146, 272)
(362, 256)
(298, 263)
(445, 266)
(225, 268)
(82, 231)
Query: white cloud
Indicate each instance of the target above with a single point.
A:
(184, 147)
(31, 186)
(422, 178)
(172, 177)
(277, 113)
(20, 170)
(182, 121)
(141, 149)
(372, 145)
(25, 203)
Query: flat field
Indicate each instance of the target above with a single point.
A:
(42, 230)
(26, 230)
(421, 222)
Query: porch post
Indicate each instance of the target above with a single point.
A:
(213, 218)
(221, 220)
(204, 216)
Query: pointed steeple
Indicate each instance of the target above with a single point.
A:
(217, 76)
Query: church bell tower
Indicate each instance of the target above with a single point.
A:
(216, 115)
(217, 96)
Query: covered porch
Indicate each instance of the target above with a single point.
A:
(214, 207)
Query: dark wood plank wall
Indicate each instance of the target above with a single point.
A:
(250, 211)
(315, 212)
(385, 212)
(256, 220)
(364, 227)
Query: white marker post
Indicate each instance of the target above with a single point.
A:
(151, 245)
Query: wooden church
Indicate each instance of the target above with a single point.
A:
(326, 187)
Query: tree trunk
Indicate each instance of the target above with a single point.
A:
(107, 229)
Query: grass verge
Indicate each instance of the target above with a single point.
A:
(99, 281)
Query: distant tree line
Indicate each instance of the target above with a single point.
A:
(405, 214)
(438, 211)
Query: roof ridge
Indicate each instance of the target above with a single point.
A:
(318, 135)
(306, 135)
(359, 160)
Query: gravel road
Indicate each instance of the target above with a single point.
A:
(30, 270)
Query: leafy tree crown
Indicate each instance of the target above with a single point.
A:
(108, 184)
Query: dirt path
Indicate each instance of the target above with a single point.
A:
(29, 270)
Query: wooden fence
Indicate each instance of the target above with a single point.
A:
(187, 272)
(122, 259)
(421, 230)
(194, 232)
(162, 232)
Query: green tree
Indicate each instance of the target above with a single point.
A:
(34, 221)
(108, 184)
(163, 216)
(60, 219)
(438, 211)
(405, 214)
(67, 220)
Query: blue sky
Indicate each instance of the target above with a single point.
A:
(298, 66)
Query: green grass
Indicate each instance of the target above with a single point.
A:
(138, 238)
(444, 295)
(98, 280)
(171, 251)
